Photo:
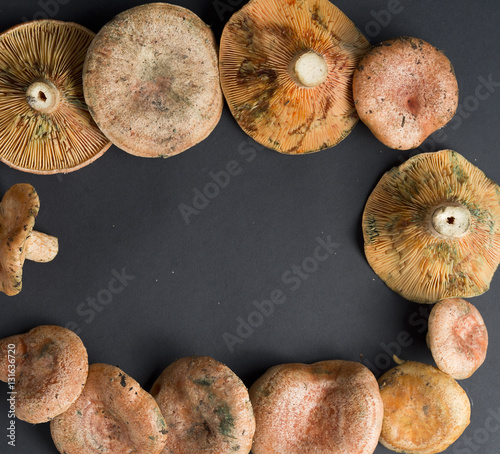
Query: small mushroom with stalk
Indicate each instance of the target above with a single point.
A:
(329, 407)
(47, 367)
(457, 337)
(286, 72)
(113, 414)
(432, 228)
(18, 240)
(405, 89)
(45, 126)
(425, 410)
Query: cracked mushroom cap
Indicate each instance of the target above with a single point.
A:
(425, 410)
(405, 89)
(151, 80)
(329, 407)
(113, 414)
(457, 337)
(432, 228)
(206, 407)
(50, 364)
(45, 126)
(286, 72)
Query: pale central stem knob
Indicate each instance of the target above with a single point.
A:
(310, 69)
(43, 96)
(451, 220)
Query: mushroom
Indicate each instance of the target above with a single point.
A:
(457, 337)
(329, 407)
(45, 126)
(18, 240)
(425, 410)
(405, 89)
(46, 369)
(206, 407)
(286, 72)
(432, 228)
(113, 414)
(151, 80)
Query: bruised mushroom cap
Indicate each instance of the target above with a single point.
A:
(425, 410)
(325, 407)
(45, 126)
(432, 228)
(405, 89)
(206, 407)
(151, 80)
(51, 366)
(18, 240)
(457, 337)
(286, 72)
(113, 414)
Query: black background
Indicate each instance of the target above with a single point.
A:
(192, 281)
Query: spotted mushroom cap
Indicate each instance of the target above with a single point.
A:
(18, 210)
(432, 228)
(113, 414)
(50, 371)
(405, 89)
(40, 64)
(326, 407)
(261, 46)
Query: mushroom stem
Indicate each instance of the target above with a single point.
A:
(450, 220)
(43, 96)
(308, 69)
(41, 247)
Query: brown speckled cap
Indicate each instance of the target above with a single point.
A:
(206, 407)
(151, 80)
(51, 366)
(112, 415)
(286, 72)
(405, 89)
(326, 407)
(18, 240)
(45, 126)
(432, 228)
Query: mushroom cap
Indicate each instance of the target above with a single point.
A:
(151, 80)
(405, 89)
(18, 210)
(113, 414)
(457, 337)
(259, 46)
(408, 254)
(329, 407)
(206, 407)
(425, 410)
(65, 139)
(50, 371)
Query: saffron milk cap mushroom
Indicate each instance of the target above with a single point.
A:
(113, 415)
(18, 240)
(206, 407)
(457, 337)
(432, 228)
(45, 126)
(151, 80)
(329, 407)
(48, 373)
(405, 89)
(286, 72)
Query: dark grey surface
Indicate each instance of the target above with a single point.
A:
(192, 281)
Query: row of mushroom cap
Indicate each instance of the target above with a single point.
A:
(150, 82)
